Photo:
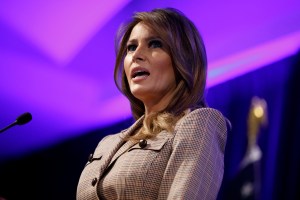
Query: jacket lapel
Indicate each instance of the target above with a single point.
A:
(118, 145)
(122, 150)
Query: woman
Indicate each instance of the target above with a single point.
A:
(175, 149)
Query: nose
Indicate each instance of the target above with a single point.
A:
(139, 54)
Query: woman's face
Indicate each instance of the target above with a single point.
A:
(148, 68)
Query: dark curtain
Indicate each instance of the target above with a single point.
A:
(53, 173)
(287, 182)
(279, 166)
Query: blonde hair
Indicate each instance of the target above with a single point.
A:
(186, 48)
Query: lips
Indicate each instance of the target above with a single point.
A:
(139, 72)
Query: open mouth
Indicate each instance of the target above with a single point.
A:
(140, 73)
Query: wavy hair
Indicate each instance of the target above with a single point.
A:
(186, 48)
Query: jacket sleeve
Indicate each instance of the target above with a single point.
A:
(196, 165)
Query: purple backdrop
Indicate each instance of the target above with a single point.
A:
(57, 58)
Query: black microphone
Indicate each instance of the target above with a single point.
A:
(22, 119)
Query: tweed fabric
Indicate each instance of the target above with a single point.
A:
(186, 164)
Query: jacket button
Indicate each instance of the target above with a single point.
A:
(94, 181)
(90, 157)
(143, 143)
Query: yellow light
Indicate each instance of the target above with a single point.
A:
(258, 111)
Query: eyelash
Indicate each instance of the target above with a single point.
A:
(156, 43)
(129, 47)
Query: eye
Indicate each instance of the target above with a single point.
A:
(155, 44)
(131, 47)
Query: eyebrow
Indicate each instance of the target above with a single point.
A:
(147, 39)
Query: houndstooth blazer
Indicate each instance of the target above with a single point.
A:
(186, 164)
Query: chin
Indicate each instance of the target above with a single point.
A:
(138, 94)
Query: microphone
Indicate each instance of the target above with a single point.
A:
(22, 119)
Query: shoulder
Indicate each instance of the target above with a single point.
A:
(104, 140)
(108, 139)
(123, 133)
(202, 116)
(201, 124)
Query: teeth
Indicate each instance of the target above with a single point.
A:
(139, 73)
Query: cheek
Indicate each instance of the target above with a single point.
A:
(166, 66)
(126, 66)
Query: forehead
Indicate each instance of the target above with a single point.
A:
(142, 30)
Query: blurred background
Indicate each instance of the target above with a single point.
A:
(57, 60)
